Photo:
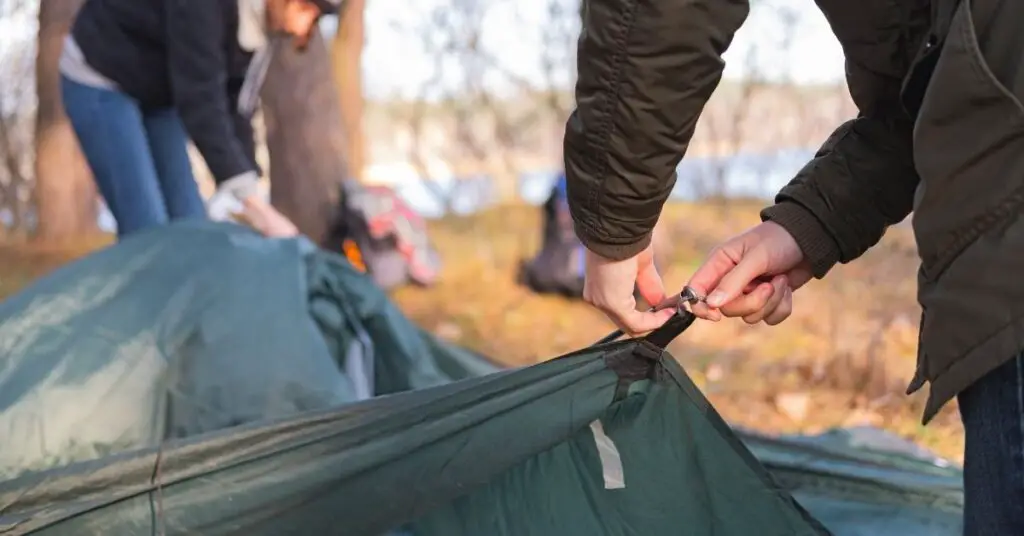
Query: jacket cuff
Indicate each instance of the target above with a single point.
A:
(242, 186)
(614, 252)
(819, 248)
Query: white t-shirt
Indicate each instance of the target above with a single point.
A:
(72, 64)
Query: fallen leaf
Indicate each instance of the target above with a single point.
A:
(793, 405)
(715, 372)
(448, 331)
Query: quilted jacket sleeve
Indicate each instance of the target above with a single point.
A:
(645, 70)
(863, 178)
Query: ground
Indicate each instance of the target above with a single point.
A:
(843, 359)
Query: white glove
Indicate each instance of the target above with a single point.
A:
(240, 199)
(228, 200)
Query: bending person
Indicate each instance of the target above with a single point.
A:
(139, 78)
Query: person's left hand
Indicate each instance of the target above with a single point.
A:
(609, 286)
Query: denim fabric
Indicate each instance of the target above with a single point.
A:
(139, 158)
(993, 415)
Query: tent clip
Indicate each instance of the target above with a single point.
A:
(670, 329)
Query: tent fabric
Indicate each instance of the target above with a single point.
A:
(192, 379)
(520, 441)
(189, 330)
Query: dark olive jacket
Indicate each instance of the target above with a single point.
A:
(940, 132)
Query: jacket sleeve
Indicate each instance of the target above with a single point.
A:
(199, 84)
(645, 70)
(863, 178)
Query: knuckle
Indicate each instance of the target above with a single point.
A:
(731, 312)
(786, 307)
(741, 307)
(759, 302)
(779, 316)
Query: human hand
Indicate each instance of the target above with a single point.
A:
(752, 276)
(609, 286)
(266, 219)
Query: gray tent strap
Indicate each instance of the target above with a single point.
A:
(359, 365)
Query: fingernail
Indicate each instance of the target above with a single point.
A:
(716, 299)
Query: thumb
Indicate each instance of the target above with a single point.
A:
(635, 322)
(733, 282)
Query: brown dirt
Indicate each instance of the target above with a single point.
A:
(842, 359)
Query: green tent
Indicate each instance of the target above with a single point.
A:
(199, 379)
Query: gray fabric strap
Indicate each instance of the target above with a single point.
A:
(255, 75)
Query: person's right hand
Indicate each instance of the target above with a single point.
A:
(752, 276)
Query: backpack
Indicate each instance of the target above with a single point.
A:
(382, 236)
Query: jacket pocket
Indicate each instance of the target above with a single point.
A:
(968, 150)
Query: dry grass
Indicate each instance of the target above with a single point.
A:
(22, 261)
(843, 359)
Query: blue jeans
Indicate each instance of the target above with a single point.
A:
(993, 415)
(139, 158)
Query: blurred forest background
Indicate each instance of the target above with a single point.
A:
(467, 128)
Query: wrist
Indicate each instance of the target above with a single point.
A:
(241, 187)
(819, 248)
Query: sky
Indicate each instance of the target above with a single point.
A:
(395, 59)
(396, 62)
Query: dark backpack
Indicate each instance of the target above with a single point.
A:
(383, 236)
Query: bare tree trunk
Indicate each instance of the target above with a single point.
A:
(65, 192)
(347, 52)
(305, 136)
